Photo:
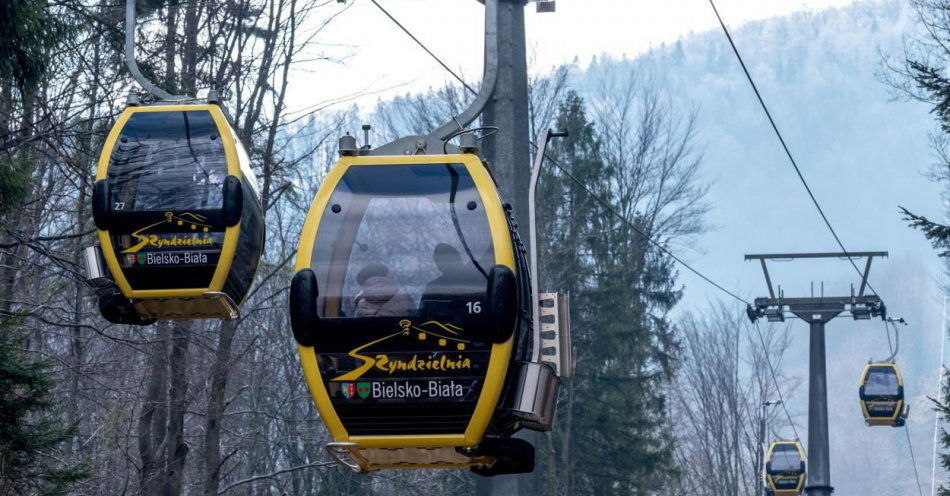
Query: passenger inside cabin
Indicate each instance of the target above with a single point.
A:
(380, 297)
(456, 280)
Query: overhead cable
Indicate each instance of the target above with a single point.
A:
(913, 460)
(633, 226)
(811, 194)
(664, 249)
(778, 389)
(781, 139)
(437, 59)
(600, 200)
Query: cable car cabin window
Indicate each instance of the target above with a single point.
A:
(785, 459)
(167, 161)
(165, 178)
(403, 241)
(882, 381)
(245, 161)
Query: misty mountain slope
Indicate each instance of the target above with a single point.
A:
(863, 155)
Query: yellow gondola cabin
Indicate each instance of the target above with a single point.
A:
(405, 303)
(785, 468)
(882, 395)
(178, 214)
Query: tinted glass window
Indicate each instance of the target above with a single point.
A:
(245, 161)
(882, 381)
(167, 161)
(397, 240)
(785, 459)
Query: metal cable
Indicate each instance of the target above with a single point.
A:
(593, 195)
(778, 389)
(437, 59)
(133, 66)
(765, 349)
(896, 347)
(894, 350)
(814, 200)
(890, 346)
(781, 139)
(633, 226)
(913, 459)
(937, 418)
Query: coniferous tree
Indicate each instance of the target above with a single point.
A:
(612, 436)
(922, 75)
(28, 34)
(942, 407)
(29, 431)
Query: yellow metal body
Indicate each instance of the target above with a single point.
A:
(168, 297)
(407, 446)
(770, 481)
(881, 421)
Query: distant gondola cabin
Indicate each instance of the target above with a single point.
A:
(178, 212)
(404, 305)
(882, 395)
(785, 468)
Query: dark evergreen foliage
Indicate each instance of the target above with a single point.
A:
(613, 421)
(923, 77)
(14, 183)
(934, 88)
(942, 407)
(28, 34)
(937, 233)
(29, 431)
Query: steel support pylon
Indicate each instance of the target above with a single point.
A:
(819, 461)
(817, 311)
(508, 155)
(818, 469)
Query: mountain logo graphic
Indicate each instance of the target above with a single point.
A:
(199, 236)
(446, 335)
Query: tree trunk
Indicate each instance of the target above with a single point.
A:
(567, 437)
(176, 449)
(220, 372)
(171, 31)
(76, 352)
(151, 421)
(85, 162)
(11, 262)
(189, 56)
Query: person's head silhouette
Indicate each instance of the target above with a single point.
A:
(447, 258)
(374, 269)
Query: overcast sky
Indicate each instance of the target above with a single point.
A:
(381, 60)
